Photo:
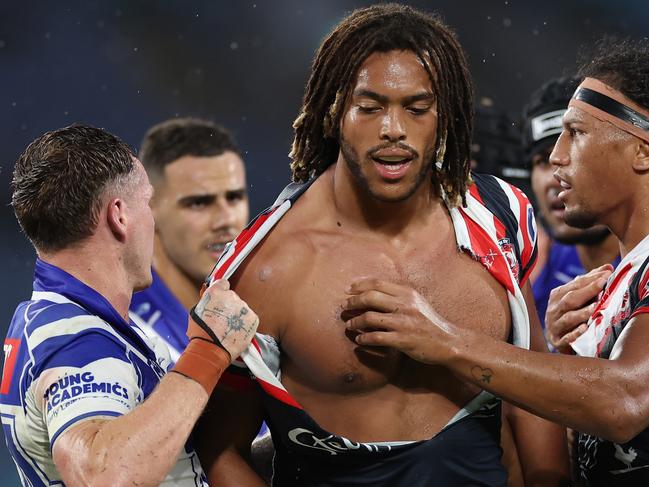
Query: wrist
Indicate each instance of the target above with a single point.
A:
(203, 362)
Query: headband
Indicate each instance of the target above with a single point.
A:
(609, 105)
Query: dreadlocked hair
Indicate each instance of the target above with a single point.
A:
(383, 28)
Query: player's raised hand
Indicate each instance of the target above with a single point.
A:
(223, 318)
(571, 305)
(397, 316)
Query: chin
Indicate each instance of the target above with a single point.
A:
(143, 283)
(580, 219)
(589, 236)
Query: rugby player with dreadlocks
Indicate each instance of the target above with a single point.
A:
(601, 161)
(382, 202)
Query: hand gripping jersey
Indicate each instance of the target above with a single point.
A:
(497, 228)
(70, 357)
(159, 313)
(626, 295)
(562, 266)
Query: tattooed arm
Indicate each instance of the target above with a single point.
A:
(606, 398)
(111, 452)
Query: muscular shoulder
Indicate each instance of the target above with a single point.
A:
(270, 279)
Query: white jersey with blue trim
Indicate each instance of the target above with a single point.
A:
(70, 357)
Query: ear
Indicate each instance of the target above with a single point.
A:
(641, 160)
(116, 217)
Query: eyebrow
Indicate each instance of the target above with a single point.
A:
(422, 96)
(210, 197)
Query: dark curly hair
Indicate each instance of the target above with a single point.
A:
(622, 64)
(383, 28)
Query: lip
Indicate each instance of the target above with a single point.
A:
(392, 153)
(566, 187)
(392, 171)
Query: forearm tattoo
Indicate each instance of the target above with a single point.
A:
(482, 375)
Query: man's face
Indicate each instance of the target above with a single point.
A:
(388, 131)
(200, 204)
(546, 191)
(139, 251)
(590, 161)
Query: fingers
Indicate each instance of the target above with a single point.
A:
(568, 321)
(570, 297)
(371, 283)
(222, 284)
(372, 320)
(600, 273)
(372, 299)
(563, 343)
(379, 339)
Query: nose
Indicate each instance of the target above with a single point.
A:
(223, 215)
(392, 126)
(560, 154)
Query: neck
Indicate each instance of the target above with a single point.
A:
(629, 223)
(184, 288)
(97, 268)
(354, 204)
(592, 256)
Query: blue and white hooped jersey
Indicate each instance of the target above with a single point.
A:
(70, 357)
(159, 313)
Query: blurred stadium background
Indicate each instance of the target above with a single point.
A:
(125, 65)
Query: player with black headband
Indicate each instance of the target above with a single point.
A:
(602, 162)
(565, 252)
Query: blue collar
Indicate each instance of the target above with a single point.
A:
(50, 278)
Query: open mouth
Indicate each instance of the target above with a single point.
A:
(565, 187)
(392, 164)
(216, 247)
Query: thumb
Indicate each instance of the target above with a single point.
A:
(222, 284)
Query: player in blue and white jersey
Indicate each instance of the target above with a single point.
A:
(85, 396)
(200, 203)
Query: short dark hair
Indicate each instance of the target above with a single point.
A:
(60, 180)
(383, 28)
(622, 64)
(172, 139)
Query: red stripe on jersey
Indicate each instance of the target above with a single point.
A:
(603, 301)
(473, 191)
(602, 342)
(489, 254)
(240, 243)
(278, 393)
(642, 288)
(11, 347)
(236, 381)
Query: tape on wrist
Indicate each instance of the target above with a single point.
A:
(203, 362)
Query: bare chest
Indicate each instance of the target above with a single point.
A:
(305, 314)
